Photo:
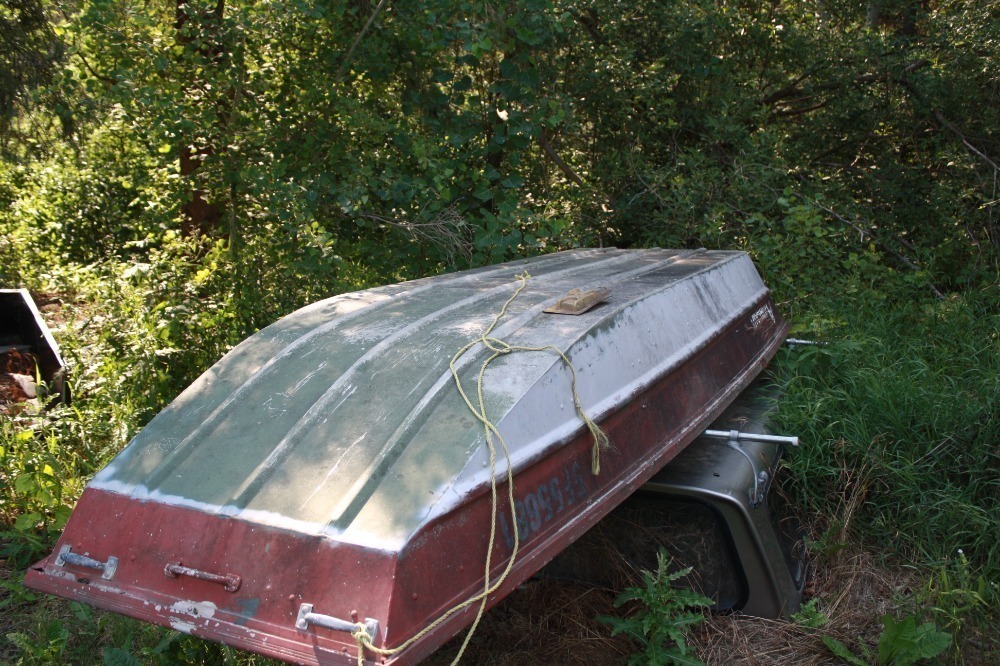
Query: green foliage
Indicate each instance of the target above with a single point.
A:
(898, 413)
(38, 485)
(48, 648)
(905, 642)
(960, 599)
(84, 635)
(843, 652)
(810, 615)
(28, 54)
(663, 616)
(445, 133)
(901, 643)
(336, 148)
(118, 657)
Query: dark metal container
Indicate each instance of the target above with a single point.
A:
(23, 333)
(709, 509)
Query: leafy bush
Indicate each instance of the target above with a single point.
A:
(663, 616)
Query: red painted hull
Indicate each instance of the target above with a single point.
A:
(557, 499)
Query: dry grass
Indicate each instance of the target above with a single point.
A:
(543, 622)
(552, 622)
(853, 593)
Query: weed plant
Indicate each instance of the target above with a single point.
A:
(662, 616)
(901, 644)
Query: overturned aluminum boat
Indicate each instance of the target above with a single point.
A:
(327, 474)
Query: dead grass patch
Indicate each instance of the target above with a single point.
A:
(554, 622)
(543, 622)
(854, 592)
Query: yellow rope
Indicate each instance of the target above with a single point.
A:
(499, 348)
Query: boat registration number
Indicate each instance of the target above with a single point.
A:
(544, 503)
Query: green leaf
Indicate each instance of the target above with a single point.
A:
(83, 612)
(27, 521)
(118, 657)
(164, 148)
(26, 484)
(60, 516)
(903, 643)
(842, 651)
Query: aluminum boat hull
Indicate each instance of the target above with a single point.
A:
(256, 495)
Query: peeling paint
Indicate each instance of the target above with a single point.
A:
(181, 625)
(107, 588)
(204, 609)
(246, 609)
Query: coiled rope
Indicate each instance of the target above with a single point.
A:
(498, 348)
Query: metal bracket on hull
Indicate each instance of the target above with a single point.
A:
(307, 617)
(107, 569)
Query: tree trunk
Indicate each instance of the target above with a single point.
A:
(873, 13)
(200, 214)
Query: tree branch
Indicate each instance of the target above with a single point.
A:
(945, 123)
(357, 40)
(588, 19)
(559, 161)
(787, 113)
(794, 92)
(788, 91)
(867, 233)
(444, 230)
(100, 77)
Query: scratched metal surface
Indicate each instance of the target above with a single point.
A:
(343, 419)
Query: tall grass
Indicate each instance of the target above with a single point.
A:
(899, 415)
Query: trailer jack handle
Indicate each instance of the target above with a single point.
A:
(733, 439)
(737, 436)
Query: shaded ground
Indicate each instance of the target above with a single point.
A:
(543, 622)
(554, 623)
